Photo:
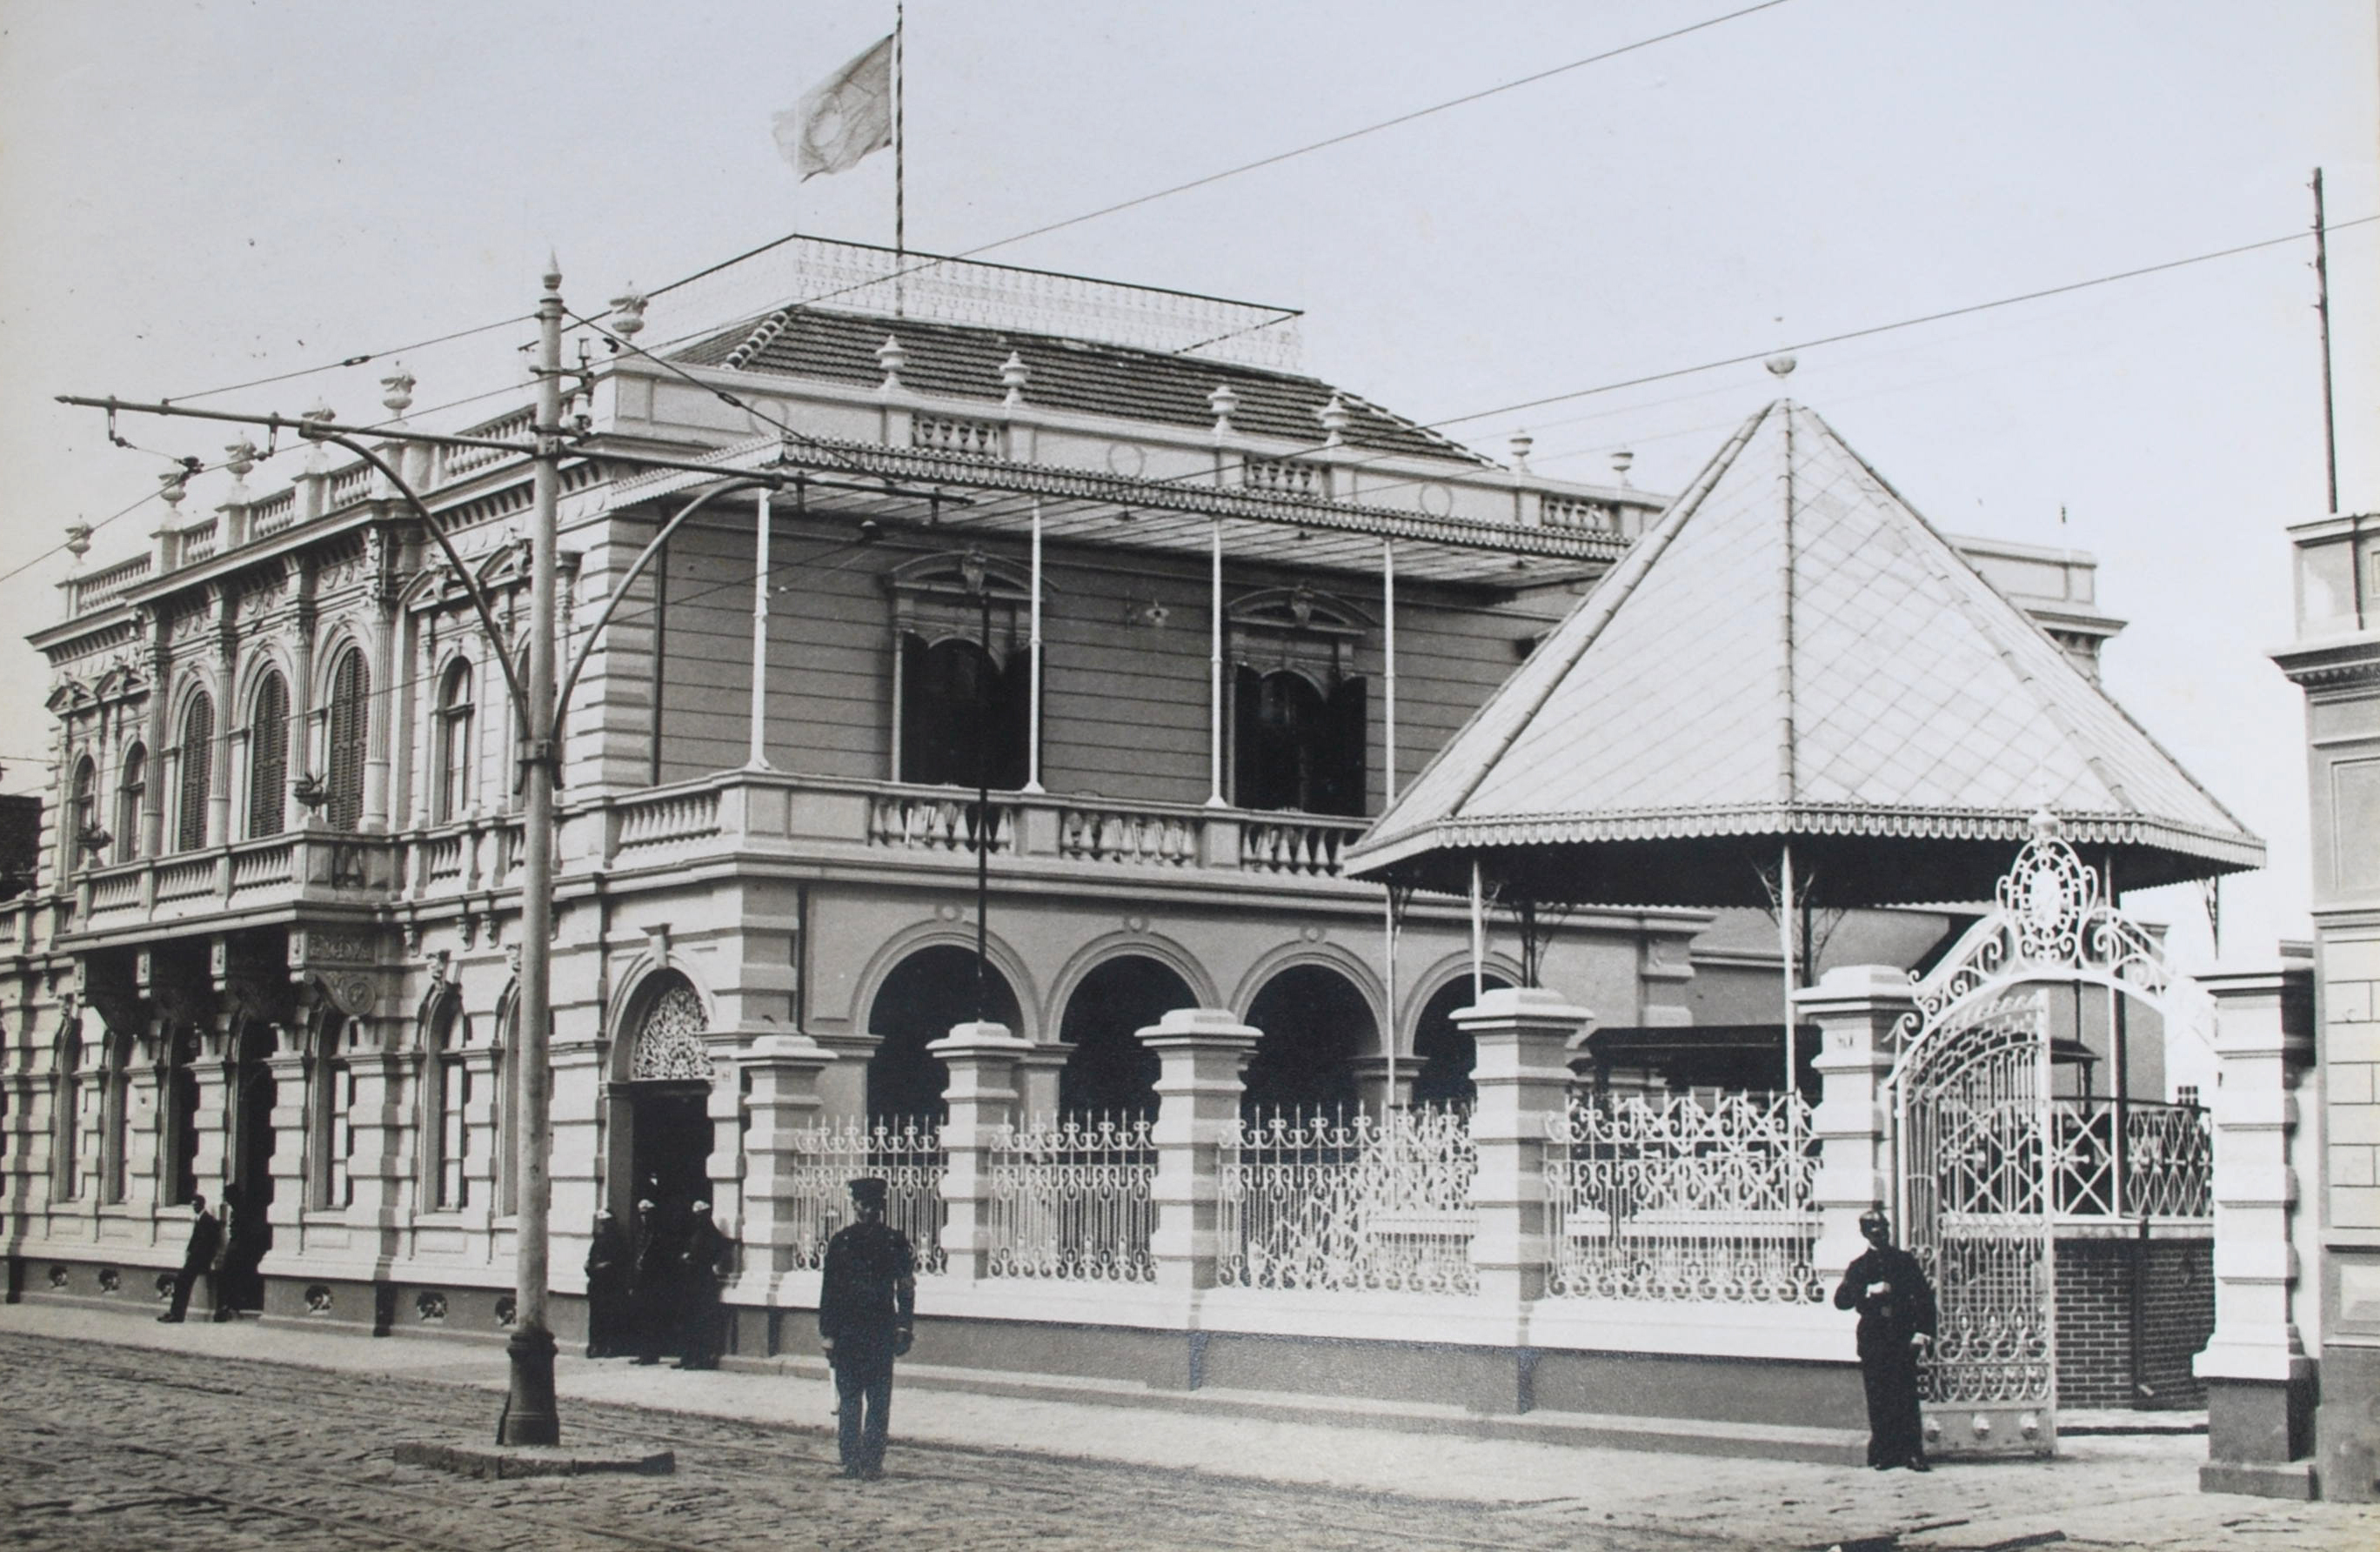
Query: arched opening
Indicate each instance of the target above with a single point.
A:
(250, 1193)
(82, 842)
(131, 798)
(454, 777)
(445, 1124)
(964, 717)
(1316, 1024)
(1297, 748)
(330, 1114)
(345, 740)
(1109, 1070)
(178, 1148)
(667, 1097)
(1443, 1053)
(198, 773)
(925, 995)
(268, 758)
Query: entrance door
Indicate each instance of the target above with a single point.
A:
(669, 1144)
(1973, 1145)
(248, 1230)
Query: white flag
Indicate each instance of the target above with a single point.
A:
(842, 118)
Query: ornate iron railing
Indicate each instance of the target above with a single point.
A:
(2169, 1160)
(1349, 1202)
(903, 1152)
(1071, 1199)
(1683, 1197)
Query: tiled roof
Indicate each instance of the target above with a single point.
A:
(1793, 650)
(951, 360)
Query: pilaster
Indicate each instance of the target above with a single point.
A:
(1858, 1009)
(985, 1061)
(779, 1218)
(1200, 1054)
(1522, 1073)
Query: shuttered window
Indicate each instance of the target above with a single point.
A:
(268, 767)
(350, 698)
(198, 773)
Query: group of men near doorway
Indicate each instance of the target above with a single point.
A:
(653, 1289)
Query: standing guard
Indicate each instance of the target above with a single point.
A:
(1897, 1322)
(609, 1260)
(652, 1289)
(867, 1309)
(706, 1263)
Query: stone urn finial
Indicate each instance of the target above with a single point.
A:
(397, 392)
(1223, 402)
(1335, 417)
(77, 541)
(1622, 461)
(892, 358)
(173, 485)
(1522, 442)
(628, 312)
(1013, 375)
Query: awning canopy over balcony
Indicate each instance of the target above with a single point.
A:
(997, 496)
(1792, 655)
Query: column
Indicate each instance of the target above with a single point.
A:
(293, 1143)
(1033, 649)
(1858, 1009)
(380, 723)
(2259, 1376)
(1215, 668)
(984, 1059)
(757, 759)
(781, 1216)
(1200, 1053)
(1523, 1078)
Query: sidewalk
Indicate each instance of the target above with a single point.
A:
(2131, 1490)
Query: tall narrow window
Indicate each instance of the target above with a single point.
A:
(333, 1121)
(83, 815)
(454, 741)
(504, 1106)
(449, 1122)
(131, 798)
(69, 1117)
(351, 696)
(964, 721)
(115, 1119)
(1298, 748)
(198, 773)
(268, 758)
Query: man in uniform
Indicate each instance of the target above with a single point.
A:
(197, 1260)
(706, 1263)
(868, 1303)
(1896, 1324)
(608, 1261)
(653, 1283)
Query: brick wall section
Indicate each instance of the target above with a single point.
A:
(2095, 1311)
(2350, 1009)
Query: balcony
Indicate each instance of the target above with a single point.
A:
(248, 878)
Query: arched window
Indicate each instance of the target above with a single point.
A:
(268, 758)
(131, 798)
(83, 815)
(453, 793)
(448, 1127)
(963, 719)
(178, 1146)
(350, 700)
(198, 773)
(1297, 748)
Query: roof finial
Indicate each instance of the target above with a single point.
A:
(1622, 461)
(1223, 401)
(1780, 367)
(1522, 442)
(1013, 375)
(892, 358)
(1335, 416)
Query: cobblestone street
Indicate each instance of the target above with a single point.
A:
(116, 1433)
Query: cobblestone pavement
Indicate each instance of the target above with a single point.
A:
(118, 1432)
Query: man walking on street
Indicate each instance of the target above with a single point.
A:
(197, 1260)
(1895, 1326)
(867, 1305)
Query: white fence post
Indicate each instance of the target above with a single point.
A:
(784, 1103)
(2259, 1376)
(1522, 1076)
(1857, 1009)
(984, 1060)
(1201, 1051)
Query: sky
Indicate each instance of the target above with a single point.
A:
(197, 193)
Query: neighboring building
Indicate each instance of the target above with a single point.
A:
(1095, 546)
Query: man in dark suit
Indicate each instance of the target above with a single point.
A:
(867, 1309)
(653, 1285)
(1895, 1326)
(706, 1263)
(608, 1265)
(198, 1259)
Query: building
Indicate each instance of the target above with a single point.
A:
(1188, 615)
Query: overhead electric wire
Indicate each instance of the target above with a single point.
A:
(367, 356)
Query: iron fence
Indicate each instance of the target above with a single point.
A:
(1070, 1200)
(903, 1152)
(1367, 1201)
(2169, 1160)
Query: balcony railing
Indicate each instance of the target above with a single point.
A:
(246, 874)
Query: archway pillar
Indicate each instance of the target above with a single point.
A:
(1200, 1053)
(843, 1088)
(1857, 1009)
(1522, 1037)
(779, 1213)
(1038, 1073)
(1372, 1086)
(986, 1062)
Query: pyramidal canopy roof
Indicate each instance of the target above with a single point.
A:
(1793, 654)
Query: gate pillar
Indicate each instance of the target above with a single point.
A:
(1521, 1072)
(1200, 1052)
(1858, 1009)
(985, 1060)
(780, 1212)
(2259, 1376)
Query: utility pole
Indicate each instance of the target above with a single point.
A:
(530, 1415)
(2321, 310)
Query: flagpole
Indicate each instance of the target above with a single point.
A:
(900, 153)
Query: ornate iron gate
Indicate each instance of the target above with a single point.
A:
(1974, 1122)
(1978, 1153)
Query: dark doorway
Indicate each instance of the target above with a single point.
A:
(924, 996)
(1443, 1053)
(247, 1232)
(181, 1153)
(669, 1148)
(1316, 1023)
(1109, 1070)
